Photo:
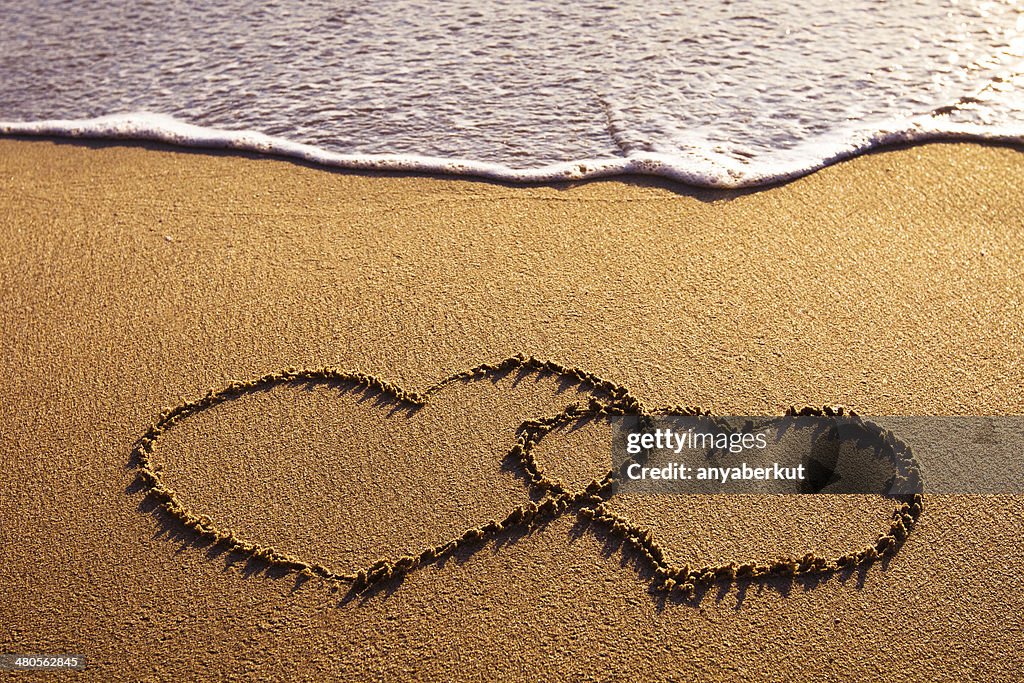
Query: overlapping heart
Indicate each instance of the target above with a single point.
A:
(552, 497)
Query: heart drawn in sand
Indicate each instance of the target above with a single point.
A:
(550, 497)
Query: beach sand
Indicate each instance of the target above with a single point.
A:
(131, 277)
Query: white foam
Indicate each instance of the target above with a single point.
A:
(717, 173)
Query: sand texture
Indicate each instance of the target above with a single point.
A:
(136, 279)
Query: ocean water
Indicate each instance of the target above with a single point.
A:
(725, 94)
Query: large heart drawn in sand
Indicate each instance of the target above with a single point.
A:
(548, 498)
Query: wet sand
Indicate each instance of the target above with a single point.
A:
(132, 277)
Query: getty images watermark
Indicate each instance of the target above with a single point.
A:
(818, 454)
(701, 438)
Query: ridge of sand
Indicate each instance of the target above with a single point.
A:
(553, 496)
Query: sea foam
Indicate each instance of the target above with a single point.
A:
(720, 173)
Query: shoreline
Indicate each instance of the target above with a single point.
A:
(141, 128)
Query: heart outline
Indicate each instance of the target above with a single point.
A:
(554, 498)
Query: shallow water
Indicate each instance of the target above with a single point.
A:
(711, 93)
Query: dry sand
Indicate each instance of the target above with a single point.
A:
(130, 277)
